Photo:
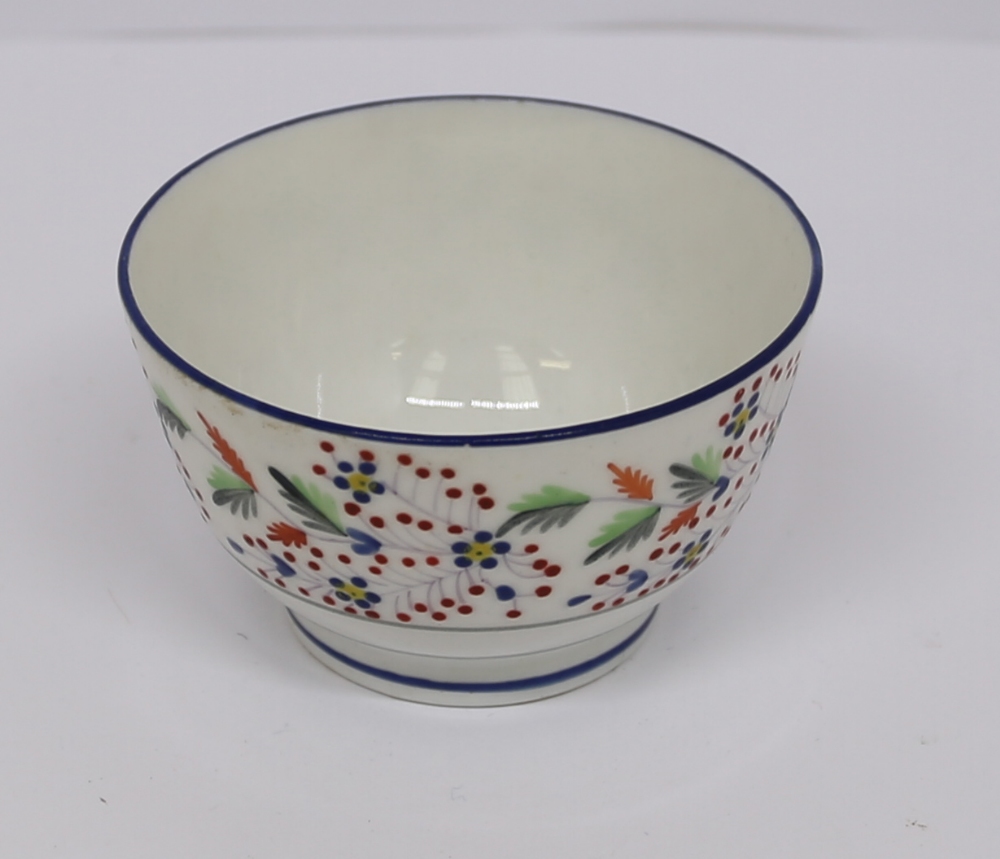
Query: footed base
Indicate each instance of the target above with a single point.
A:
(485, 681)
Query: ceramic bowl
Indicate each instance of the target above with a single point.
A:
(470, 384)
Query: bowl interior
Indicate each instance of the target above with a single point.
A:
(468, 266)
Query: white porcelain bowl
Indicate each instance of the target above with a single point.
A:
(469, 384)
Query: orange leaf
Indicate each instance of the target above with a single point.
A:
(686, 517)
(632, 482)
(229, 456)
(287, 535)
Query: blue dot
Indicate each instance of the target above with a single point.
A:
(346, 467)
(636, 579)
(236, 547)
(364, 544)
(359, 582)
(284, 569)
(367, 468)
(578, 600)
(505, 592)
(483, 536)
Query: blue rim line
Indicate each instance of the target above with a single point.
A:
(759, 361)
(501, 686)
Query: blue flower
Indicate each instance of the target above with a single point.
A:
(355, 590)
(482, 550)
(691, 554)
(358, 481)
(744, 412)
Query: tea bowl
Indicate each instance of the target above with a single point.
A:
(470, 384)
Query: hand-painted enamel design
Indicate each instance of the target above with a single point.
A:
(389, 533)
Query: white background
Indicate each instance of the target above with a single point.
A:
(826, 687)
(970, 19)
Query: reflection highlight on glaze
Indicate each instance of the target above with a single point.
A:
(435, 404)
(512, 405)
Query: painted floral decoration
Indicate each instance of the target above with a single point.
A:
(691, 553)
(482, 550)
(379, 532)
(359, 480)
(744, 412)
(355, 590)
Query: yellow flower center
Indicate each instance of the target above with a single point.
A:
(741, 419)
(692, 553)
(353, 591)
(479, 552)
(359, 482)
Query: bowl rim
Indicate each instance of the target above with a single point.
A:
(586, 428)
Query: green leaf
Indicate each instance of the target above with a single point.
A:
(710, 464)
(317, 508)
(625, 531)
(553, 507)
(233, 491)
(550, 496)
(320, 500)
(168, 413)
(623, 522)
(692, 485)
(240, 500)
(543, 518)
(220, 478)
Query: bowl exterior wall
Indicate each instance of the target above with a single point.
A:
(396, 543)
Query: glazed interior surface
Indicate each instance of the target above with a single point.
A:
(468, 266)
